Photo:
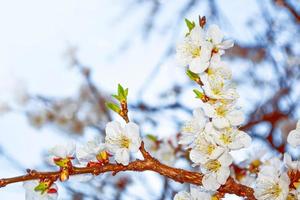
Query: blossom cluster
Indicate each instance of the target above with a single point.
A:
(120, 141)
(210, 136)
(213, 132)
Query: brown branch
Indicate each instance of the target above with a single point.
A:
(148, 164)
(290, 8)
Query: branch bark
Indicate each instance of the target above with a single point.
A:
(148, 164)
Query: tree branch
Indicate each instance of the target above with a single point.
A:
(148, 164)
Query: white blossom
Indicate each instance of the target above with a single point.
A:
(215, 36)
(204, 148)
(61, 152)
(216, 172)
(271, 184)
(91, 151)
(215, 88)
(31, 194)
(230, 137)
(121, 141)
(195, 51)
(290, 164)
(194, 194)
(218, 68)
(192, 128)
(294, 136)
(223, 113)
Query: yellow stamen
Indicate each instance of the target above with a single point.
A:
(196, 52)
(125, 142)
(213, 165)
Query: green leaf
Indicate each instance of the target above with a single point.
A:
(114, 107)
(116, 97)
(151, 137)
(199, 94)
(41, 187)
(190, 24)
(126, 92)
(122, 93)
(193, 76)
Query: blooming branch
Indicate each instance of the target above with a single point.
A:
(148, 164)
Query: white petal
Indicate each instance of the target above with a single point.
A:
(186, 138)
(294, 138)
(217, 152)
(225, 159)
(298, 125)
(220, 122)
(223, 175)
(198, 66)
(215, 34)
(236, 117)
(59, 151)
(122, 156)
(210, 182)
(197, 157)
(199, 117)
(208, 109)
(226, 44)
(242, 140)
(182, 196)
(197, 35)
(113, 129)
(132, 130)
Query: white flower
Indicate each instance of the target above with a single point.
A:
(162, 150)
(230, 137)
(223, 114)
(121, 141)
(216, 172)
(218, 68)
(195, 51)
(215, 88)
(165, 153)
(32, 194)
(61, 152)
(294, 165)
(271, 185)
(294, 136)
(248, 180)
(192, 128)
(91, 152)
(195, 194)
(204, 148)
(215, 36)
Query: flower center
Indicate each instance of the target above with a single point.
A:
(210, 149)
(274, 191)
(221, 110)
(125, 142)
(213, 165)
(196, 52)
(225, 138)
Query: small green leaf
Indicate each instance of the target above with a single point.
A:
(126, 92)
(41, 187)
(190, 24)
(116, 97)
(151, 137)
(193, 76)
(122, 93)
(114, 107)
(199, 94)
